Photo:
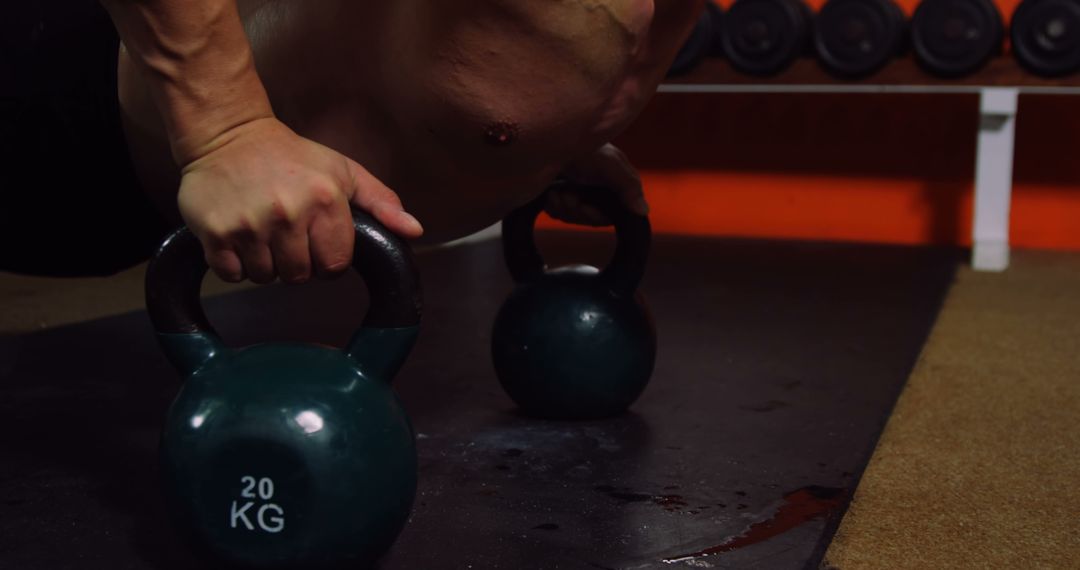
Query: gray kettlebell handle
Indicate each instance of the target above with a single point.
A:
(174, 282)
(633, 235)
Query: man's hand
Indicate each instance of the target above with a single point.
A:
(266, 202)
(263, 201)
(606, 167)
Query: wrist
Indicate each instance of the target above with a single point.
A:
(199, 124)
(257, 130)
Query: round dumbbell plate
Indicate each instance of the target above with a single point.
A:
(952, 38)
(763, 37)
(1046, 36)
(854, 38)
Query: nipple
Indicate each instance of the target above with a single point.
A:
(501, 133)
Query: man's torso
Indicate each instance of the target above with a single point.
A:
(466, 109)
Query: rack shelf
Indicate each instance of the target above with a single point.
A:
(998, 85)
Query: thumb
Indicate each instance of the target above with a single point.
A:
(373, 197)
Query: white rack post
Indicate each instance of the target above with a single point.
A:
(993, 178)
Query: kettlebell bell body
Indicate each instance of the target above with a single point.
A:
(288, 455)
(575, 342)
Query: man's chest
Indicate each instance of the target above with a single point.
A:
(491, 88)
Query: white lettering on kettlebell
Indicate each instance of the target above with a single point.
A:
(266, 489)
(278, 521)
(270, 516)
(240, 515)
(247, 492)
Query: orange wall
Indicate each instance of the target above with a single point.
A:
(880, 168)
(883, 168)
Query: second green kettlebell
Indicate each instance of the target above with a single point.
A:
(575, 342)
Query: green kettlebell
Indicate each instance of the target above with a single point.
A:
(288, 455)
(575, 342)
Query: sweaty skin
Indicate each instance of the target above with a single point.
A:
(466, 108)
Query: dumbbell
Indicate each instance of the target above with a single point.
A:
(763, 37)
(1046, 36)
(953, 38)
(855, 38)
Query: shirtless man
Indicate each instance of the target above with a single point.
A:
(259, 122)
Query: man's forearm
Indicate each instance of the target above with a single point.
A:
(199, 65)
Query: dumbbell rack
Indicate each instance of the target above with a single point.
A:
(999, 86)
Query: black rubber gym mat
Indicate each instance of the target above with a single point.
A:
(778, 365)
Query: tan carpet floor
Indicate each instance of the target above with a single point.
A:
(979, 466)
(35, 303)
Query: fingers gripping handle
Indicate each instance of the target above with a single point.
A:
(632, 231)
(174, 281)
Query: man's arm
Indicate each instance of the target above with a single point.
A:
(199, 64)
(263, 201)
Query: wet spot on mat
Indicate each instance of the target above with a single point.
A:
(799, 506)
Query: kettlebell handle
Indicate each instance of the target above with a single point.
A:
(633, 235)
(174, 282)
